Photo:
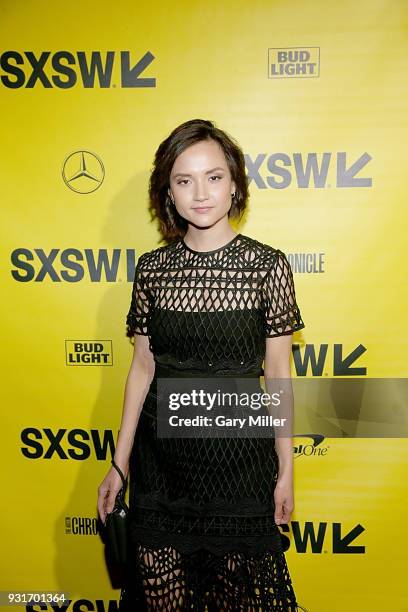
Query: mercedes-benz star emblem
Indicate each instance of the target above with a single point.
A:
(83, 171)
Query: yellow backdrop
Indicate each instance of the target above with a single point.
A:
(315, 92)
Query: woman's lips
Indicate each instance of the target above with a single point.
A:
(202, 209)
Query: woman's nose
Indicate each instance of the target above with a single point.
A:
(201, 191)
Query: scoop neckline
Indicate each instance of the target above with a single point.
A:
(214, 250)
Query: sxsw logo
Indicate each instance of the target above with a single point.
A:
(324, 537)
(66, 69)
(77, 605)
(315, 360)
(280, 170)
(71, 265)
(77, 444)
(293, 62)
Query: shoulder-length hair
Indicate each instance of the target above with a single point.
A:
(172, 225)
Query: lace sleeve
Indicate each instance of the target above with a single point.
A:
(282, 314)
(138, 315)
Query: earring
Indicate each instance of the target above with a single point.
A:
(233, 195)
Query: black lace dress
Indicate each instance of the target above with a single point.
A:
(202, 529)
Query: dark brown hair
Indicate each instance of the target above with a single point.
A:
(172, 225)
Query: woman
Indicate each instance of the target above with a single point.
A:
(210, 303)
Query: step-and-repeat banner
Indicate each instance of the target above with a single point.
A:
(315, 93)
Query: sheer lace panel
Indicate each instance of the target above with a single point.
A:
(165, 580)
(137, 318)
(245, 275)
(282, 312)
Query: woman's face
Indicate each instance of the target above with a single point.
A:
(201, 184)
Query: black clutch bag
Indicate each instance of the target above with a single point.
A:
(116, 525)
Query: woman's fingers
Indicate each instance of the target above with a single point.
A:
(103, 492)
(110, 501)
(283, 508)
(278, 513)
(107, 493)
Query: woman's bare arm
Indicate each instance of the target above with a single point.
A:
(137, 385)
(277, 366)
(140, 375)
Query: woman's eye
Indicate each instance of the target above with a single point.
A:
(184, 181)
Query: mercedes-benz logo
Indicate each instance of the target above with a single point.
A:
(83, 171)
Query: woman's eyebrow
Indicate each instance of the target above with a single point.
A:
(189, 175)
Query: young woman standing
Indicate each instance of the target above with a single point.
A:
(204, 513)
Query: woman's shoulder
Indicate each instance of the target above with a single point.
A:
(149, 260)
(260, 253)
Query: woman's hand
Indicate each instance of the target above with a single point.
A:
(107, 492)
(283, 496)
